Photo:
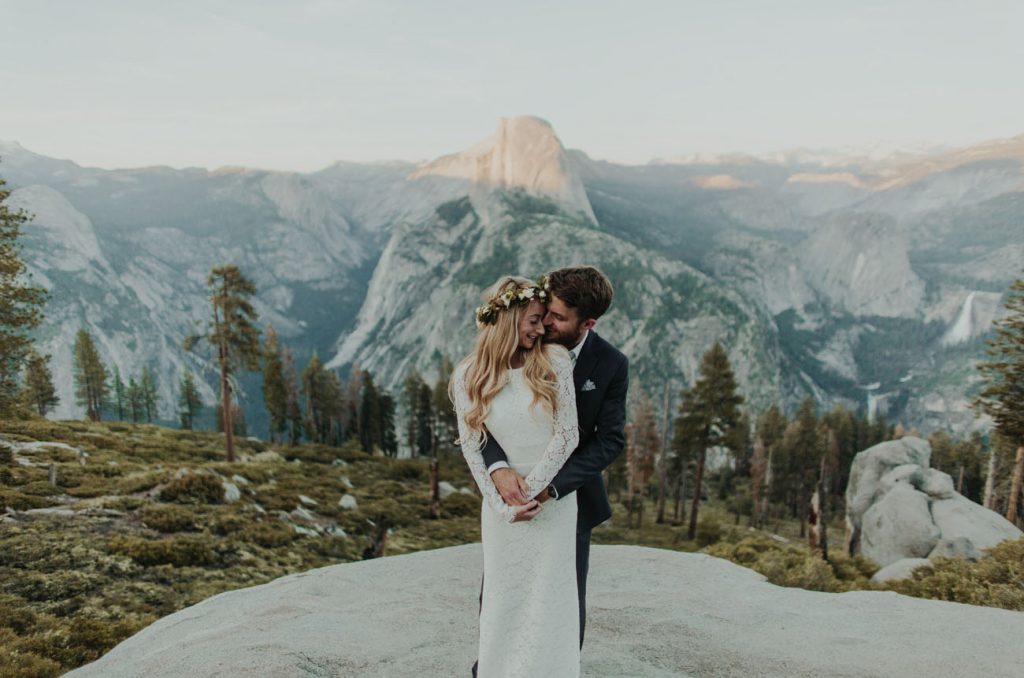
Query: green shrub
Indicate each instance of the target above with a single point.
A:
(6, 454)
(21, 502)
(194, 488)
(18, 663)
(394, 513)
(80, 643)
(997, 580)
(271, 534)
(408, 469)
(179, 551)
(167, 518)
(459, 505)
(230, 521)
(787, 564)
(709, 531)
(39, 488)
(52, 586)
(127, 504)
(15, 615)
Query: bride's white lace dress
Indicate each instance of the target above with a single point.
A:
(529, 617)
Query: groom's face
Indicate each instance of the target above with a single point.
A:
(562, 324)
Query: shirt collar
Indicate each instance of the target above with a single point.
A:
(575, 350)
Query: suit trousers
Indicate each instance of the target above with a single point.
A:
(582, 568)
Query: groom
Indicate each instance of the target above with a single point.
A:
(578, 298)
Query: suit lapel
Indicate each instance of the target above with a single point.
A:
(587, 361)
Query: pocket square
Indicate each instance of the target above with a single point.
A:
(588, 386)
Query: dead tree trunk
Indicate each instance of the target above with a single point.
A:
(1015, 486)
(378, 539)
(663, 458)
(435, 489)
(691, 533)
(988, 499)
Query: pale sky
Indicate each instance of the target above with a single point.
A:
(299, 84)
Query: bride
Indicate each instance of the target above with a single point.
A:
(520, 391)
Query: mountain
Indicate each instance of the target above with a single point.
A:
(871, 280)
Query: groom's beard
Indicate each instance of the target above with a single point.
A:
(562, 339)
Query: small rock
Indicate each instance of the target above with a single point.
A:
(339, 462)
(241, 480)
(268, 457)
(303, 513)
(260, 509)
(307, 500)
(901, 569)
(231, 492)
(465, 490)
(346, 482)
(958, 547)
(445, 488)
(305, 530)
(938, 485)
(348, 502)
(336, 531)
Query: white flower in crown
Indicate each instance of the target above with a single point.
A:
(526, 293)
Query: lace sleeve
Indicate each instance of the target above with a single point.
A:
(566, 429)
(471, 443)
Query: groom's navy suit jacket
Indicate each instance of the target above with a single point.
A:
(601, 376)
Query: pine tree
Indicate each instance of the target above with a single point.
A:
(149, 395)
(39, 392)
(388, 439)
(771, 426)
(315, 391)
(804, 449)
(644, 447)
(275, 391)
(293, 408)
(233, 335)
(20, 304)
(120, 394)
(352, 403)
(136, 402)
(90, 376)
(418, 401)
(708, 415)
(758, 481)
(370, 424)
(445, 423)
(1003, 395)
(189, 401)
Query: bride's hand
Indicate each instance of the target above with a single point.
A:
(527, 511)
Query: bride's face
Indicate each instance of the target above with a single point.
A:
(531, 327)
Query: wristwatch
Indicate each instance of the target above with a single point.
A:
(552, 492)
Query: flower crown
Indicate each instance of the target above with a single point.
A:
(514, 295)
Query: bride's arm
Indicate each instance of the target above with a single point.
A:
(470, 442)
(566, 429)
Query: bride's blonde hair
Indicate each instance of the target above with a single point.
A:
(487, 365)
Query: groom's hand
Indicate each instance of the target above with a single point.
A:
(511, 486)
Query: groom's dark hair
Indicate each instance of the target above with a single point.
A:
(584, 288)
